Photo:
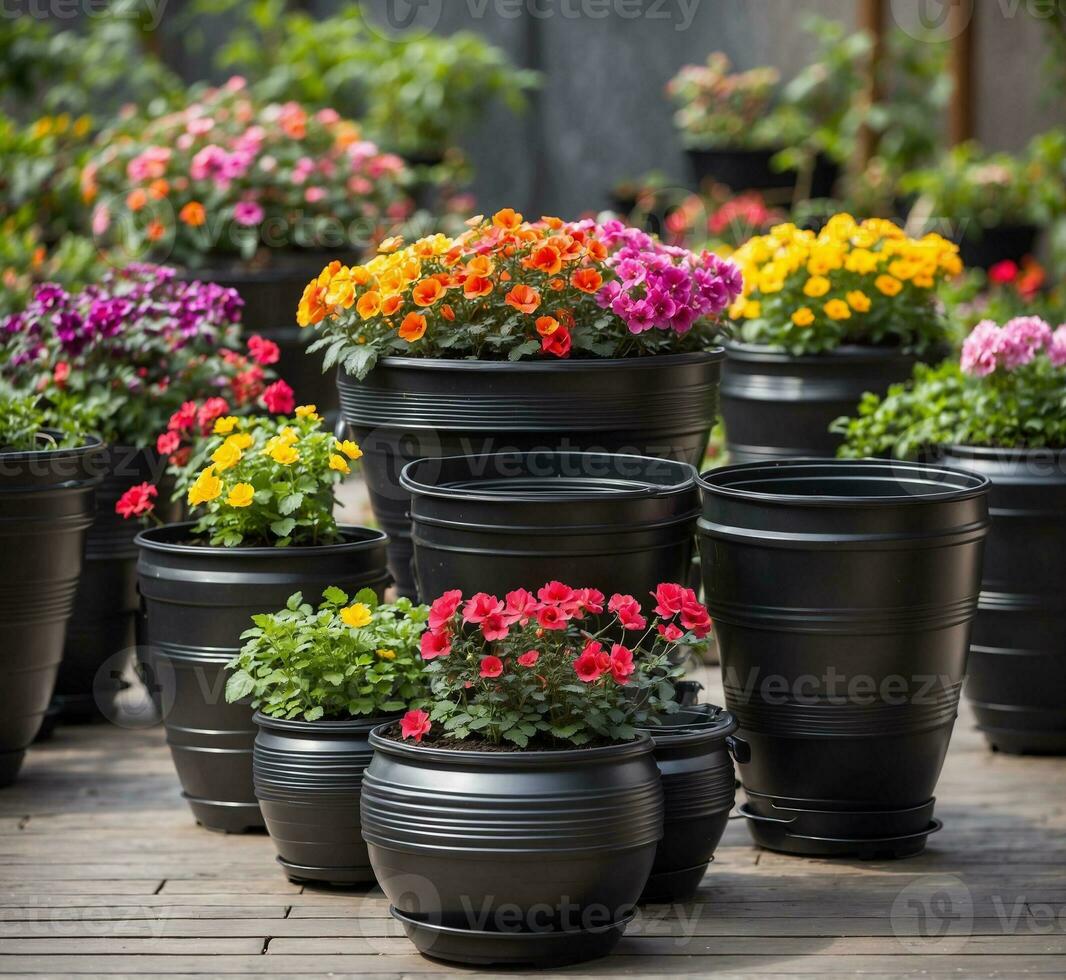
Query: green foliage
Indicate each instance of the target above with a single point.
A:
(24, 419)
(303, 663)
(26, 262)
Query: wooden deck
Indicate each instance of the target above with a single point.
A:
(104, 872)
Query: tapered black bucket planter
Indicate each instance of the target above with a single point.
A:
(742, 170)
(778, 406)
(1017, 673)
(493, 854)
(505, 521)
(46, 508)
(308, 778)
(842, 594)
(407, 409)
(198, 601)
(987, 246)
(693, 756)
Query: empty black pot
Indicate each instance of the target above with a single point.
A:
(776, 405)
(692, 752)
(512, 520)
(842, 595)
(198, 601)
(46, 508)
(742, 170)
(984, 247)
(407, 409)
(308, 777)
(1017, 672)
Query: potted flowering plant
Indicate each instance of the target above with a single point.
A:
(535, 708)
(130, 349)
(998, 411)
(260, 492)
(320, 680)
(823, 317)
(520, 335)
(47, 480)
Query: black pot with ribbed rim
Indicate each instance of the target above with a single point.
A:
(777, 405)
(198, 600)
(985, 247)
(842, 594)
(1017, 671)
(744, 170)
(408, 409)
(46, 509)
(308, 778)
(508, 520)
(693, 752)
(103, 628)
(512, 846)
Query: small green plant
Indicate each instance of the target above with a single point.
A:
(29, 423)
(347, 658)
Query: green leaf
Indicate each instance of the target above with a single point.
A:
(239, 686)
(288, 504)
(337, 597)
(283, 528)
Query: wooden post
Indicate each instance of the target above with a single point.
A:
(871, 19)
(961, 29)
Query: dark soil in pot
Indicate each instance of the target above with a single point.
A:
(198, 601)
(983, 248)
(743, 170)
(1017, 672)
(842, 595)
(407, 409)
(46, 509)
(505, 521)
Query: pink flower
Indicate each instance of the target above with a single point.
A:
(529, 658)
(248, 213)
(628, 611)
(278, 398)
(555, 592)
(314, 194)
(415, 724)
(668, 597)
(137, 501)
(491, 666)
(480, 606)
(443, 608)
(552, 618)
(621, 663)
(1021, 338)
(435, 643)
(980, 348)
(494, 627)
(592, 601)
(590, 665)
(167, 443)
(519, 607)
(694, 615)
(1056, 350)
(210, 410)
(1003, 272)
(61, 373)
(670, 633)
(263, 351)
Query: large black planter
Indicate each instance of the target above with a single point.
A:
(46, 508)
(743, 170)
(407, 409)
(1017, 672)
(693, 756)
(513, 520)
(842, 595)
(513, 844)
(983, 248)
(776, 405)
(198, 601)
(308, 777)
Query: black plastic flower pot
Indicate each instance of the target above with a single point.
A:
(985, 247)
(777, 405)
(500, 849)
(408, 409)
(46, 508)
(198, 600)
(744, 170)
(842, 594)
(692, 751)
(1017, 671)
(103, 629)
(308, 778)
(505, 521)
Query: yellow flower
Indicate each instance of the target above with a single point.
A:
(387, 654)
(349, 448)
(285, 455)
(226, 424)
(888, 285)
(816, 286)
(205, 488)
(837, 309)
(391, 244)
(225, 456)
(862, 261)
(858, 301)
(240, 440)
(752, 309)
(803, 317)
(339, 463)
(241, 495)
(307, 411)
(356, 615)
(923, 280)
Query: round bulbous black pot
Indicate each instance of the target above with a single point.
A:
(512, 846)
(198, 600)
(751, 170)
(987, 246)
(512, 520)
(692, 751)
(842, 594)
(408, 409)
(776, 405)
(1017, 671)
(46, 509)
(308, 778)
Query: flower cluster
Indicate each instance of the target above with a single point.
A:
(990, 347)
(228, 173)
(563, 666)
(721, 217)
(852, 282)
(1008, 289)
(511, 288)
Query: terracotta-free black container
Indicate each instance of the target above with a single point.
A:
(1017, 673)
(742, 170)
(308, 777)
(408, 408)
(512, 520)
(983, 248)
(198, 601)
(776, 405)
(519, 842)
(46, 508)
(842, 594)
(692, 751)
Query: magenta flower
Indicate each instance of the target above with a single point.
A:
(247, 213)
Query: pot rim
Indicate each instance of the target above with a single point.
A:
(352, 725)
(977, 484)
(91, 445)
(148, 540)
(723, 725)
(567, 365)
(988, 452)
(845, 352)
(636, 747)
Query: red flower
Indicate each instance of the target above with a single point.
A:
(668, 597)
(61, 373)
(529, 658)
(628, 611)
(621, 663)
(555, 592)
(592, 601)
(491, 666)
(183, 418)
(136, 501)
(443, 608)
(181, 457)
(435, 643)
(521, 605)
(557, 343)
(415, 724)
(167, 443)
(694, 615)
(552, 618)
(210, 410)
(494, 627)
(278, 398)
(670, 633)
(479, 607)
(263, 351)
(1003, 272)
(590, 665)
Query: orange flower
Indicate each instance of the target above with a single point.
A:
(390, 305)
(447, 312)
(136, 199)
(554, 223)
(557, 284)
(390, 244)
(427, 292)
(313, 307)
(547, 259)
(596, 250)
(155, 230)
(476, 286)
(547, 325)
(480, 266)
(369, 304)
(193, 214)
(568, 247)
(159, 188)
(524, 298)
(587, 280)
(507, 218)
(413, 327)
